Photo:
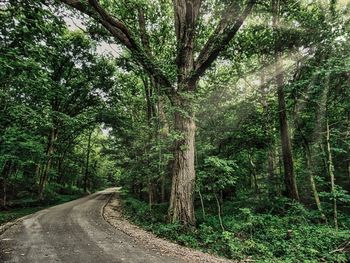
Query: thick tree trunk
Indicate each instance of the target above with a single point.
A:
(289, 177)
(183, 180)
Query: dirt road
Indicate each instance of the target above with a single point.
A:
(73, 232)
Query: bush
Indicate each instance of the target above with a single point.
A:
(261, 236)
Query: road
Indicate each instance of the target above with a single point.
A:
(73, 232)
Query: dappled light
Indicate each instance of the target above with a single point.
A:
(174, 131)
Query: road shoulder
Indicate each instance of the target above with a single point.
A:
(112, 213)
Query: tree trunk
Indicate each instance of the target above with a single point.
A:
(308, 157)
(202, 203)
(87, 162)
(254, 180)
(4, 174)
(289, 177)
(183, 180)
(49, 154)
(164, 133)
(331, 174)
(272, 176)
(219, 212)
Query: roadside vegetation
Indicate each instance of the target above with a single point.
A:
(226, 122)
(261, 230)
(25, 206)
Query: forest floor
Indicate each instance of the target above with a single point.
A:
(113, 215)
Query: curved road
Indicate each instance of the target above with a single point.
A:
(73, 232)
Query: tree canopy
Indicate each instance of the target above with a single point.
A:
(224, 121)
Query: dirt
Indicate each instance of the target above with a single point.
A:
(113, 214)
(74, 232)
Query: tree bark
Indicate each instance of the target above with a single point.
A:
(183, 181)
(86, 175)
(219, 212)
(271, 163)
(163, 134)
(331, 174)
(49, 155)
(308, 157)
(254, 180)
(289, 176)
(4, 174)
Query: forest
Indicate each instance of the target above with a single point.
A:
(226, 124)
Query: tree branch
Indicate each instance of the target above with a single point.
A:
(143, 31)
(227, 28)
(120, 31)
(185, 14)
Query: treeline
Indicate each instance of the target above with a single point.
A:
(51, 106)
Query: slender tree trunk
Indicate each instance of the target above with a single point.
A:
(202, 203)
(60, 163)
(272, 177)
(183, 181)
(86, 175)
(308, 157)
(37, 171)
(331, 174)
(4, 174)
(267, 126)
(254, 179)
(289, 176)
(164, 133)
(150, 114)
(219, 212)
(49, 155)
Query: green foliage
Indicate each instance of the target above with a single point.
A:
(51, 84)
(248, 234)
(72, 118)
(216, 174)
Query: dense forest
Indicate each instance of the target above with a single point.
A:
(225, 123)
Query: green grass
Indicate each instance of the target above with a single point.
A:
(29, 206)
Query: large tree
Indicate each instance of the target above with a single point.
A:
(180, 90)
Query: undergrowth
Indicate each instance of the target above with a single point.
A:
(288, 234)
(25, 206)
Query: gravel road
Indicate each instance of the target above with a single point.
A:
(73, 232)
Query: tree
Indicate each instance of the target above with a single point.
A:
(48, 93)
(188, 70)
(289, 176)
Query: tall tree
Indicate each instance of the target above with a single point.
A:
(180, 91)
(287, 155)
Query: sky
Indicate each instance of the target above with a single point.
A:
(103, 48)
